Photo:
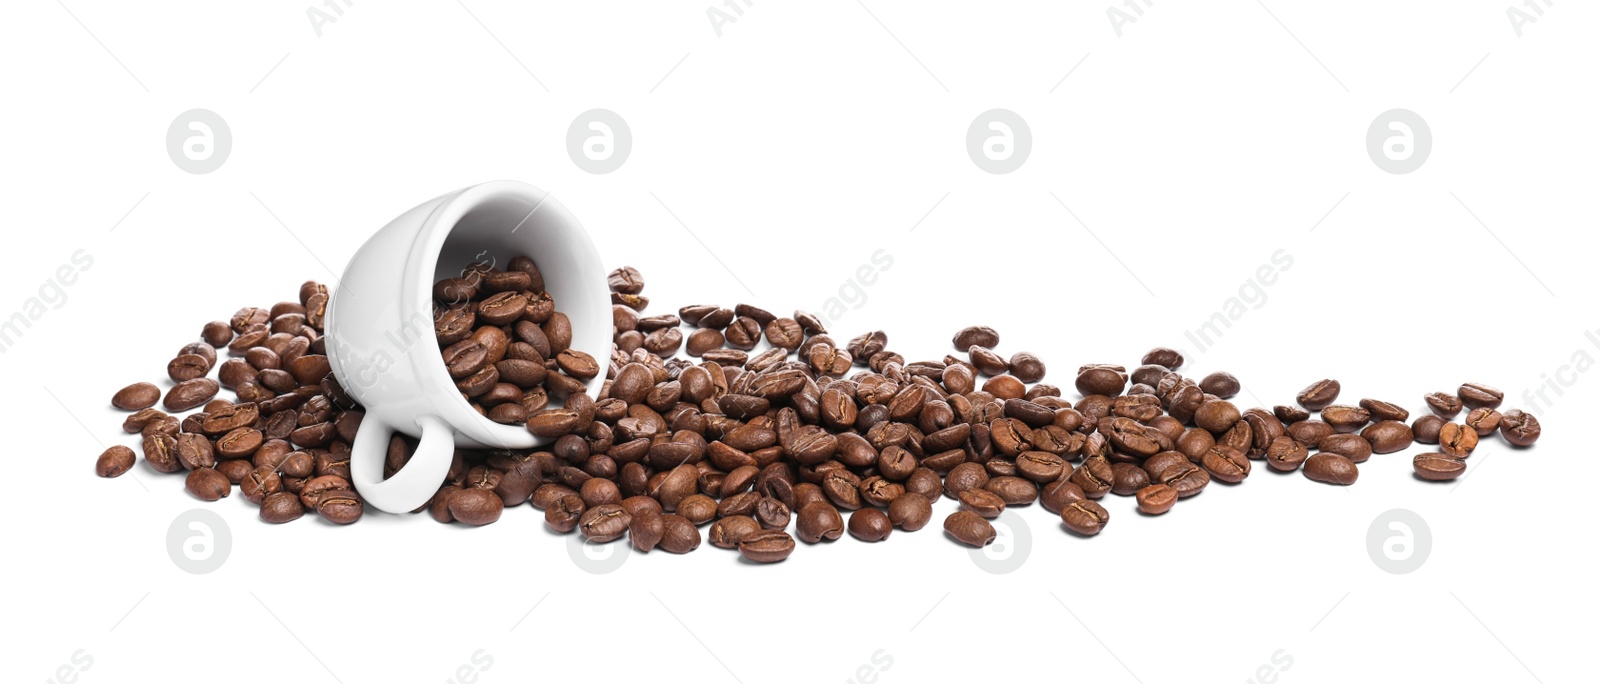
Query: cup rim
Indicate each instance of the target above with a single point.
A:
(417, 295)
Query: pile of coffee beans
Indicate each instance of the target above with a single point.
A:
(769, 431)
(504, 342)
(284, 440)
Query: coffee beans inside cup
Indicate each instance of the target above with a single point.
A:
(769, 425)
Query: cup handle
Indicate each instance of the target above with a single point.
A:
(411, 487)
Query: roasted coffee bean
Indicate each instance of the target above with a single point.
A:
(817, 521)
(1100, 380)
(190, 394)
(114, 461)
(1519, 427)
(1345, 418)
(1477, 395)
(1309, 432)
(207, 484)
(1056, 495)
(870, 525)
(1388, 436)
(604, 523)
(1128, 479)
(577, 364)
(1026, 367)
(1216, 416)
(1438, 467)
(1220, 383)
(1457, 440)
(1085, 517)
(139, 395)
(982, 336)
(1425, 429)
(194, 451)
(910, 511)
(1383, 410)
(766, 546)
(982, 501)
(1094, 477)
(1357, 448)
(1443, 404)
(1226, 463)
(281, 507)
(969, 528)
(1319, 395)
(1285, 454)
(1330, 468)
(1187, 479)
(1157, 498)
(1290, 414)
(1484, 420)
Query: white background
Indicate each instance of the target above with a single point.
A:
(807, 136)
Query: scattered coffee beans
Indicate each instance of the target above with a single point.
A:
(776, 424)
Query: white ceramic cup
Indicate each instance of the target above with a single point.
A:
(380, 326)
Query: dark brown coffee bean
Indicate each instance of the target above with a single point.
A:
(1187, 479)
(206, 484)
(604, 523)
(1226, 463)
(1085, 517)
(969, 528)
(1100, 380)
(1425, 429)
(982, 336)
(190, 394)
(216, 333)
(261, 482)
(1319, 395)
(161, 452)
(1383, 410)
(1128, 479)
(1388, 436)
(1345, 418)
(1443, 404)
(703, 340)
(1157, 499)
(1478, 395)
(626, 280)
(910, 511)
(1094, 476)
(1457, 440)
(982, 501)
(114, 461)
(340, 507)
(817, 521)
(1216, 416)
(563, 512)
(1354, 447)
(1309, 432)
(1056, 495)
(1285, 454)
(1290, 414)
(1026, 367)
(281, 507)
(577, 364)
(645, 529)
(1162, 356)
(139, 395)
(1220, 383)
(766, 546)
(870, 525)
(1331, 468)
(195, 451)
(188, 367)
(1519, 427)
(475, 506)
(1013, 490)
(1438, 467)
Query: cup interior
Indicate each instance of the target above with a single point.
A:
(505, 221)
